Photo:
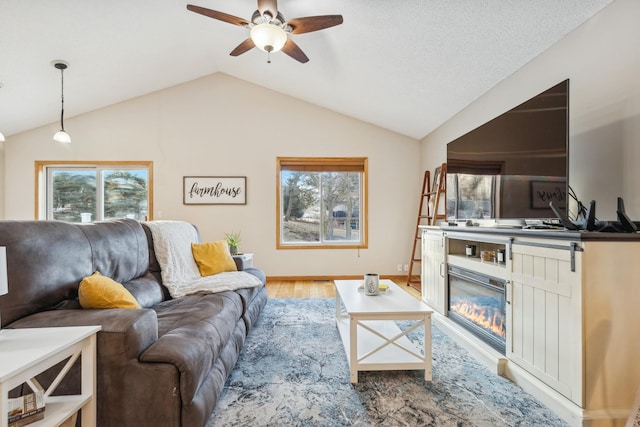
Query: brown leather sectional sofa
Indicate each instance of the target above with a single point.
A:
(162, 365)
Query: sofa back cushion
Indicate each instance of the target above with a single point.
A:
(119, 249)
(154, 265)
(45, 262)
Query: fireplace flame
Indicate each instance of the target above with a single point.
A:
(489, 319)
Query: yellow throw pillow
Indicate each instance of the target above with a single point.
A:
(98, 291)
(213, 257)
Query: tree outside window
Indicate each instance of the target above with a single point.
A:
(125, 194)
(93, 192)
(321, 202)
(73, 193)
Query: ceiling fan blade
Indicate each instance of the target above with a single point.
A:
(314, 23)
(270, 6)
(292, 49)
(220, 16)
(246, 45)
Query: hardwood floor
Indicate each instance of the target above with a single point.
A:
(315, 288)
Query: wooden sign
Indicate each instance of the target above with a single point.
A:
(215, 190)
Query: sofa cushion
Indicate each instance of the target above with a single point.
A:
(213, 257)
(254, 309)
(180, 312)
(248, 294)
(147, 290)
(98, 291)
(193, 332)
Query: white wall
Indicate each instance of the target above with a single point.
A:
(222, 126)
(602, 60)
(2, 179)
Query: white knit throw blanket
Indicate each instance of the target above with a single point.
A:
(172, 244)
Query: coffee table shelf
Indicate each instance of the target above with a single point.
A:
(371, 338)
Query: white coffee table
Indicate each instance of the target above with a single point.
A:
(372, 340)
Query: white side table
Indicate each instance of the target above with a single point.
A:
(25, 353)
(247, 259)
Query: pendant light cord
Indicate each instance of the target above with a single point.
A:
(62, 98)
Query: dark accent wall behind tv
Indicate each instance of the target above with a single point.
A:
(514, 165)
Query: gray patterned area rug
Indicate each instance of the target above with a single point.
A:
(293, 372)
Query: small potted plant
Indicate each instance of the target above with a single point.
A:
(233, 240)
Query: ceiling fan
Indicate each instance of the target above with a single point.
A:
(269, 31)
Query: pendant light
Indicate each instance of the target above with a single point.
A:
(61, 135)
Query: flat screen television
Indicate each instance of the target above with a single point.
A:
(511, 167)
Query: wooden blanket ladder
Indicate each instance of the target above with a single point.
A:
(427, 215)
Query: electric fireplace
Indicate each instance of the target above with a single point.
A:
(477, 302)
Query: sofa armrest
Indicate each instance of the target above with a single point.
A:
(243, 261)
(125, 332)
(259, 273)
(121, 379)
(239, 260)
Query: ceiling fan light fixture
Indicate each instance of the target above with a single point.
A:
(268, 37)
(269, 30)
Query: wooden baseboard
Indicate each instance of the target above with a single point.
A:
(396, 279)
(321, 286)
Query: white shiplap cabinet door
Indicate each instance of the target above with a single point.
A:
(433, 274)
(546, 316)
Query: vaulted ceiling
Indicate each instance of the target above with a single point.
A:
(405, 65)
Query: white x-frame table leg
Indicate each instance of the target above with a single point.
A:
(373, 341)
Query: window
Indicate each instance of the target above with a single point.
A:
(321, 202)
(85, 192)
